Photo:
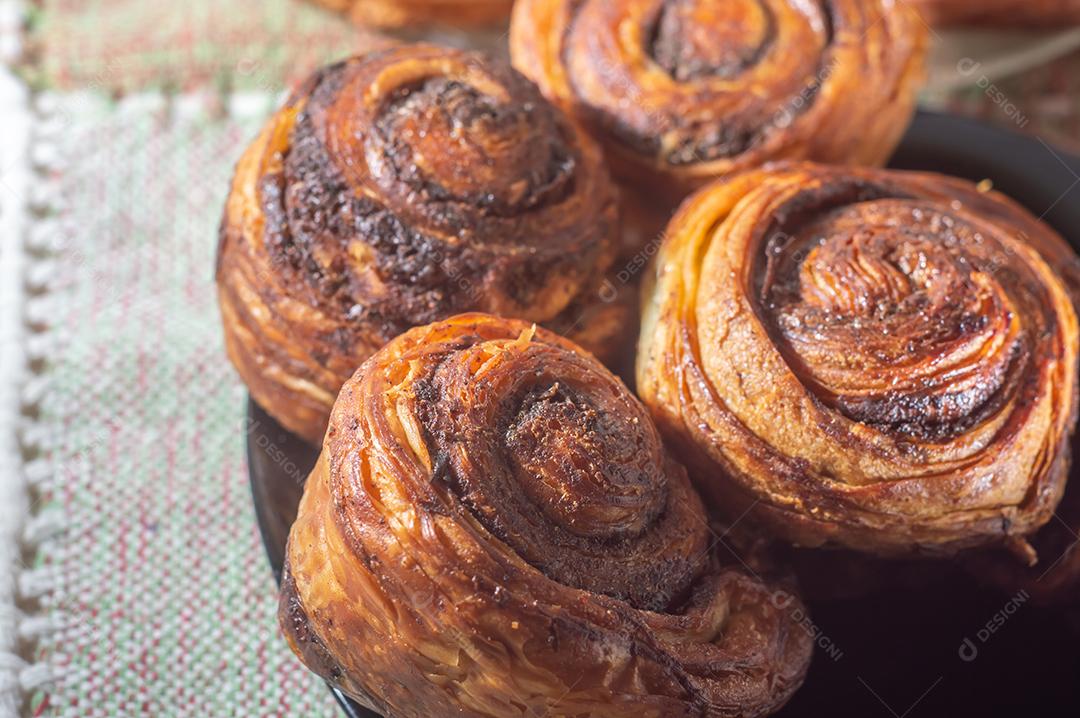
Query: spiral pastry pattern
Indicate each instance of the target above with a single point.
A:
(1002, 13)
(399, 188)
(684, 91)
(401, 14)
(880, 360)
(494, 528)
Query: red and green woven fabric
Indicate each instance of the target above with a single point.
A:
(163, 595)
(132, 45)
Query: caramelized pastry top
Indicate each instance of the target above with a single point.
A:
(399, 188)
(495, 523)
(687, 90)
(882, 360)
(424, 181)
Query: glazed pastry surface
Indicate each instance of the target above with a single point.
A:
(681, 92)
(879, 360)
(494, 528)
(410, 14)
(399, 188)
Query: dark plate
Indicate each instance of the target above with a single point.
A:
(900, 649)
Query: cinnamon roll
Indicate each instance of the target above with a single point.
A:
(884, 361)
(683, 91)
(1004, 13)
(494, 528)
(397, 14)
(399, 188)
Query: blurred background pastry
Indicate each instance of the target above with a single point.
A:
(416, 14)
(1000, 13)
(682, 92)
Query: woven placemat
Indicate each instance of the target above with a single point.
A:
(159, 596)
(14, 178)
(140, 584)
(118, 46)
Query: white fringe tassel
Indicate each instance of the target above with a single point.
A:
(28, 239)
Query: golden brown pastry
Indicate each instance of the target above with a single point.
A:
(1055, 579)
(400, 14)
(1004, 13)
(884, 361)
(681, 92)
(494, 528)
(399, 188)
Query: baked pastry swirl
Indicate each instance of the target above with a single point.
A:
(494, 528)
(399, 188)
(683, 91)
(398, 14)
(880, 360)
(1004, 13)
